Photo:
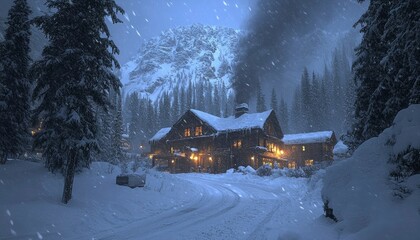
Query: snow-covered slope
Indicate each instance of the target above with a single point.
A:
(195, 52)
(362, 194)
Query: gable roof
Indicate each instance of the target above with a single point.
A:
(161, 134)
(231, 124)
(304, 138)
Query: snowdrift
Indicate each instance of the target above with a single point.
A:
(362, 193)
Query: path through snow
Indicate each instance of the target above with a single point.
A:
(182, 206)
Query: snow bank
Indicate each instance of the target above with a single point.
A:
(30, 206)
(360, 190)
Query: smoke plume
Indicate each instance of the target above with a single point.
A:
(272, 31)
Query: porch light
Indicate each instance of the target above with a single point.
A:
(252, 158)
(210, 158)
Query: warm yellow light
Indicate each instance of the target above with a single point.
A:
(173, 161)
(195, 158)
(210, 158)
(252, 158)
(150, 156)
(192, 156)
(281, 152)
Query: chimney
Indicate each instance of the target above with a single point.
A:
(241, 109)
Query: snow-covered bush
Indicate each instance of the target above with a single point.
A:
(246, 170)
(264, 170)
(296, 173)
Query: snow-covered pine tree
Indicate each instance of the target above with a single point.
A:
(74, 75)
(14, 83)
(368, 71)
(261, 107)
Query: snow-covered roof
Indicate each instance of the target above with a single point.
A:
(160, 134)
(304, 138)
(231, 124)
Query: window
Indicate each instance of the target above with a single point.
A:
(237, 144)
(303, 148)
(198, 131)
(291, 165)
(309, 162)
(187, 132)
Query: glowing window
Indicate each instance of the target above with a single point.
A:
(187, 132)
(309, 162)
(303, 148)
(291, 165)
(237, 144)
(198, 131)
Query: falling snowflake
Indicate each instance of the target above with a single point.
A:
(134, 14)
(39, 235)
(147, 20)
(225, 3)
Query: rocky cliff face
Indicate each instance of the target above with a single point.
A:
(179, 56)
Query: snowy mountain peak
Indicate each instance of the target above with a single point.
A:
(179, 55)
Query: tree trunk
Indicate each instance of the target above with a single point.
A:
(3, 158)
(68, 182)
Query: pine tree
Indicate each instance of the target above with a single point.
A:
(134, 130)
(74, 75)
(260, 99)
(284, 116)
(14, 82)
(315, 96)
(274, 103)
(216, 100)
(368, 69)
(116, 152)
(296, 113)
(175, 113)
(306, 101)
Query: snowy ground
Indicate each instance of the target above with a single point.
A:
(183, 206)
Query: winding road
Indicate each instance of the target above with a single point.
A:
(229, 208)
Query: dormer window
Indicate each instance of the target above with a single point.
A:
(198, 131)
(187, 132)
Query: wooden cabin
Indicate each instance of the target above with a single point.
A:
(306, 149)
(202, 142)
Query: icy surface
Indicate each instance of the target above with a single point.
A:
(312, 137)
(360, 190)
